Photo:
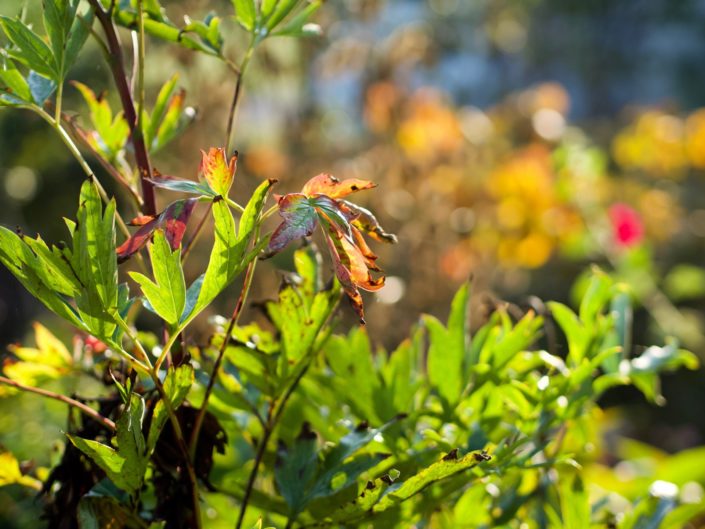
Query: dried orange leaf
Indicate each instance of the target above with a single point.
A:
(326, 184)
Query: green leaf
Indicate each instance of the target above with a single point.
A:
(229, 254)
(597, 295)
(32, 51)
(448, 348)
(58, 15)
(80, 30)
(125, 466)
(159, 110)
(163, 30)
(437, 471)
(32, 272)
(245, 13)
(250, 217)
(575, 332)
(225, 258)
(295, 469)
(95, 262)
(167, 293)
(267, 7)
(299, 25)
(284, 7)
(14, 84)
(575, 505)
(621, 333)
(174, 121)
(176, 387)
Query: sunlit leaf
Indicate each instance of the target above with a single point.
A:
(167, 293)
(218, 172)
(327, 184)
(31, 49)
(10, 473)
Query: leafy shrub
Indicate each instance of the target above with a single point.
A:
(285, 421)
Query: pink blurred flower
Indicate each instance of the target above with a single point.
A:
(627, 226)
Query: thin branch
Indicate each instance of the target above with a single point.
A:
(236, 95)
(193, 442)
(255, 469)
(117, 66)
(189, 245)
(83, 408)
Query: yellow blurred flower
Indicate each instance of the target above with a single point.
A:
(430, 129)
(654, 143)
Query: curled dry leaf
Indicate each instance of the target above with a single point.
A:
(343, 226)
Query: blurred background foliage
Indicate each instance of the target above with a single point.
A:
(513, 142)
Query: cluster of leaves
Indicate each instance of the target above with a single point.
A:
(450, 429)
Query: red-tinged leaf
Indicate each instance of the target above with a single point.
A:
(137, 241)
(345, 278)
(173, 220)
(141, 220)
(217, 171)
(326, 184)
(300, 220)
(366, 222)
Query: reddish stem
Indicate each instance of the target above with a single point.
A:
(117, 66)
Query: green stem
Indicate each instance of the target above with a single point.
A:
(237, 207)
(266, 433)
(237, 311)
(132, 336)
(165, 351)
(83, 408)
(59, 98)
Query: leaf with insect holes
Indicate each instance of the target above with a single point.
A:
(343, 224)
(217, 170)
(172, 220)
